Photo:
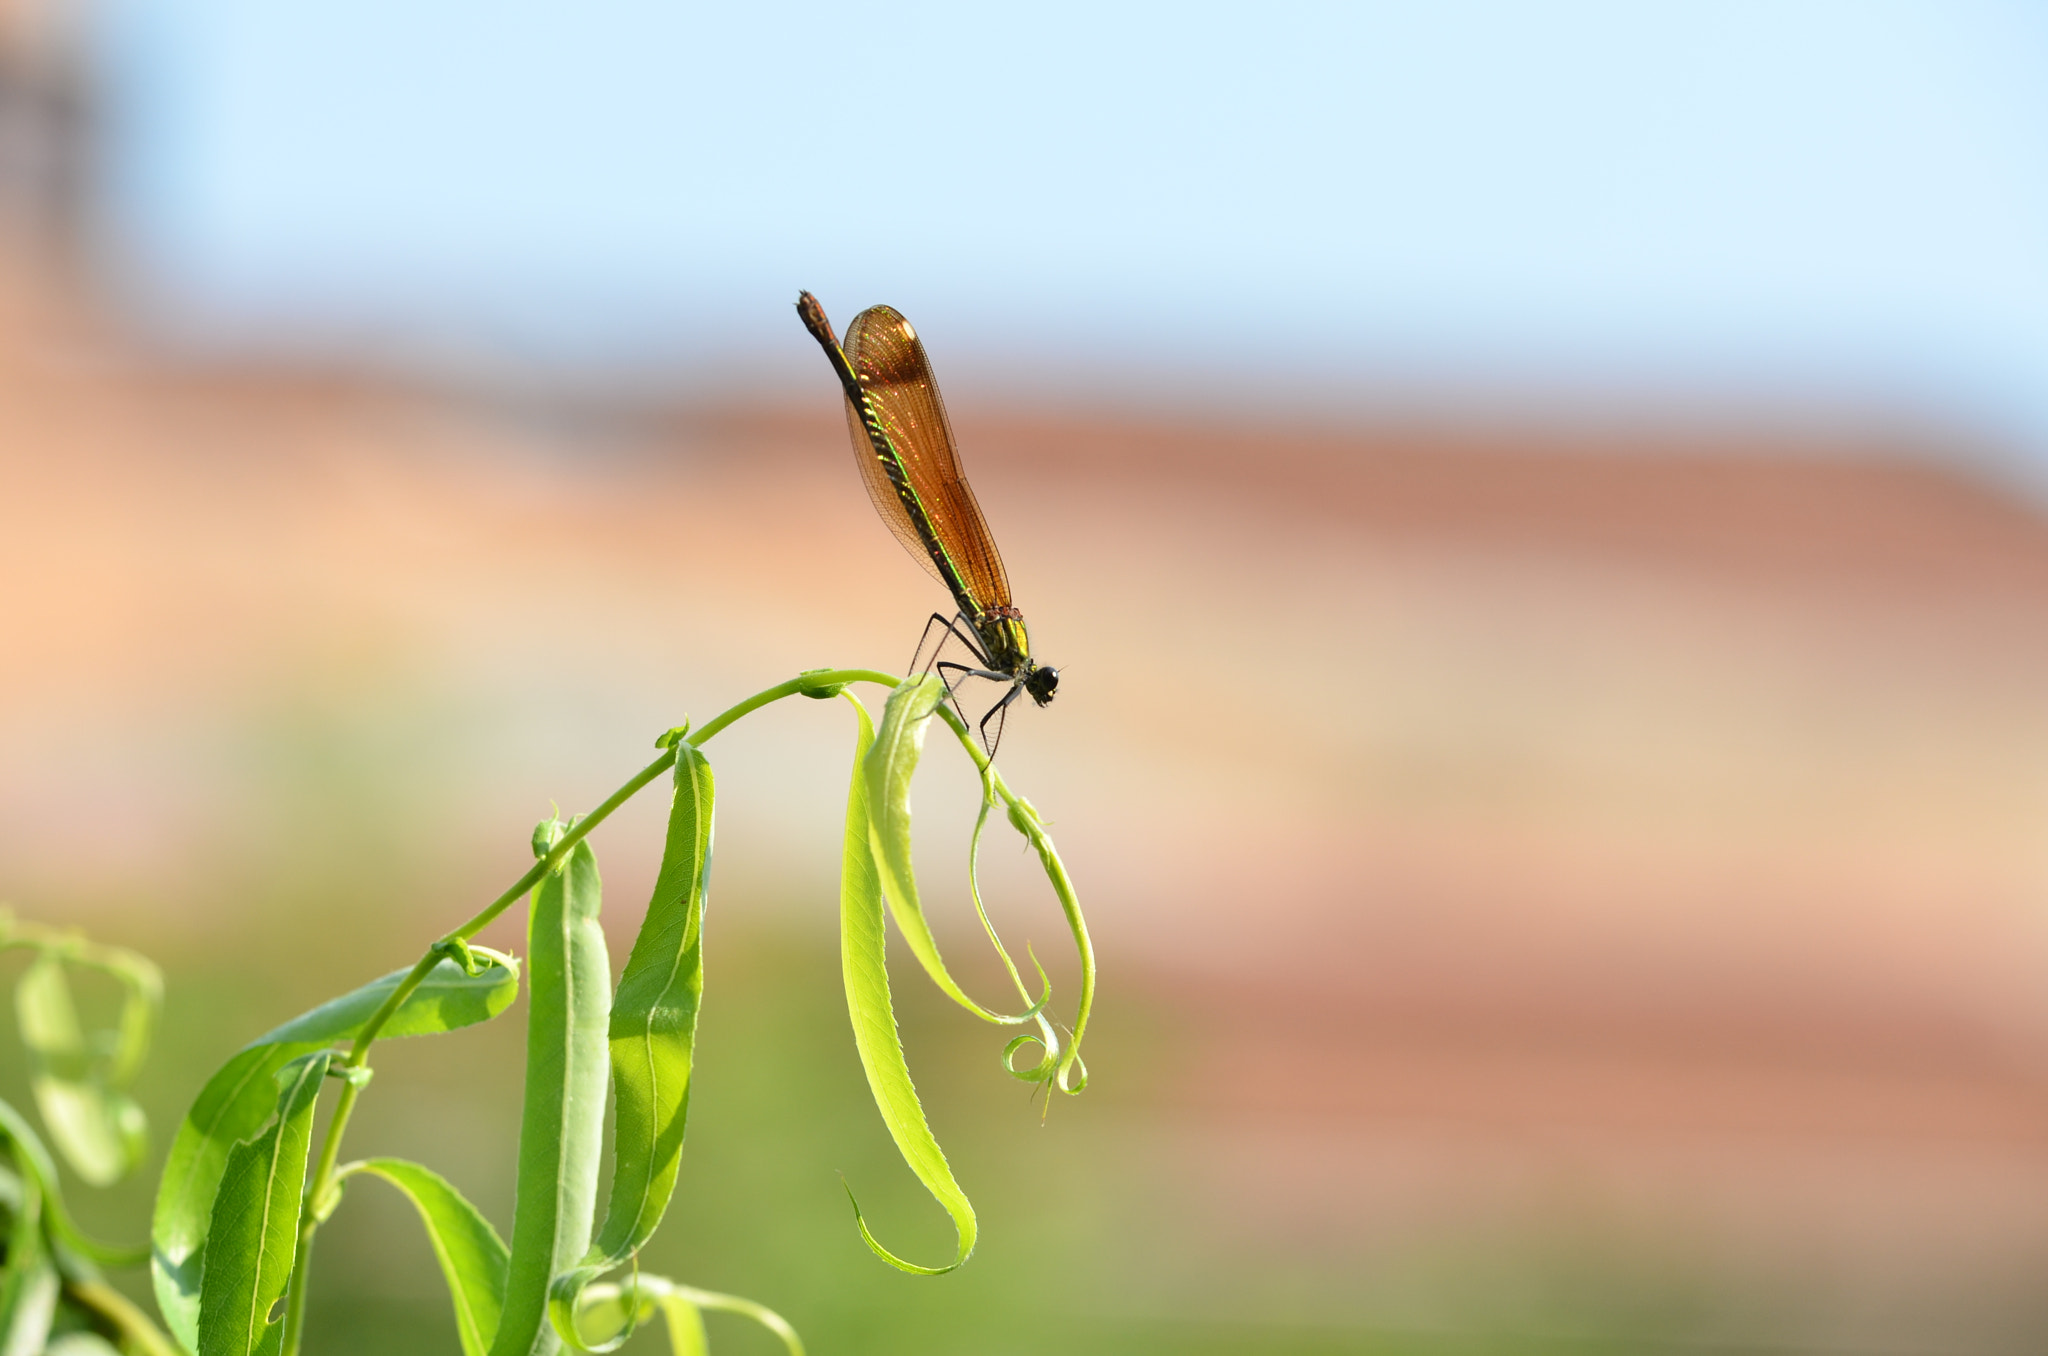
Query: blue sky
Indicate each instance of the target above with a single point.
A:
(1715, 205)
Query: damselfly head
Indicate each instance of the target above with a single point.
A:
(1042, 683)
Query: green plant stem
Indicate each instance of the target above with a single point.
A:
(317, 1202)
(70, 945)
(138, 1333)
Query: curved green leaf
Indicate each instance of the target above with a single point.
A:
(101, 1131)
(887, 770)
(446, 1000)
(865, 968)
(653, 1032)
(253, 1235)
(238, 1099)
(562, 1127)
(471, 1254)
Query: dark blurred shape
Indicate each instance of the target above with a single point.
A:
(46, 122)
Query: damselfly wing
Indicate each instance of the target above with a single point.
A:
(911, 466)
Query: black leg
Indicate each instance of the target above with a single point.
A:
(917, 654)
(955, 674)
(988, 741)
(969, 671)
(952, 675)
(958, 628)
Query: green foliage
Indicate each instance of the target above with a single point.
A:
(862, 941)
(473, 1258)
(52, 1296)
(562, 1129)
(244, 1192)
(653, 1033)
(884, 773)
(616, 1308)
(28, 1292)
(252, 1236)
(237, 1101)
(80, 1083)
(449, 998)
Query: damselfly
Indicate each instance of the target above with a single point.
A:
(911, 466)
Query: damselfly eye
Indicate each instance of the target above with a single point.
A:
(1042, 683)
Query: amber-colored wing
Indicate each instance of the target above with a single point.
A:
(886, 355)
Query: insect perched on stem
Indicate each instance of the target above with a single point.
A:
(912, 470)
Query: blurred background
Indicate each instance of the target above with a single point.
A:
(1540, 509)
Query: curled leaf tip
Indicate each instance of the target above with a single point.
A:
(1048, 1062)
(670, 737)
(547, 833)
(492, 957)
(875, 1244)
(462, 953)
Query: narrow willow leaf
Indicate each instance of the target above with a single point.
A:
(447, 999)
(231, 1107)
(562, 1127)
(887, 769)
(96, 1126)
(254, 1233)
(618, 1309)
(102, 1133)
(471, 1254)
(653, 1032)
(238, 1099)
(866, 972)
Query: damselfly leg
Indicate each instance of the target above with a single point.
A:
(955, 626)
(978, 692)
